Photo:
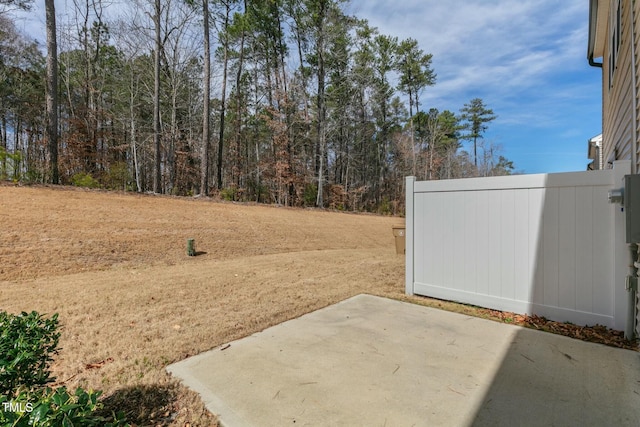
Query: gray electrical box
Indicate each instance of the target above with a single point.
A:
(632, 207)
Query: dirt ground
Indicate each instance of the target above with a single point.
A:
(130, 300)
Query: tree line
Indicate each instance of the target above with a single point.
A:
(292, 102)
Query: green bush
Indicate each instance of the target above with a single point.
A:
(55, 407)
(386, 207)
(117, 176)
(84, 179)
(310, 195)
(27, 343)
(10, 165)
(33, 176)
(229, 194)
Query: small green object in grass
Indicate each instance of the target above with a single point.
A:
(191, 247)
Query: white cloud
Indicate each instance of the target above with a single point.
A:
(491, 49)
(525, 58)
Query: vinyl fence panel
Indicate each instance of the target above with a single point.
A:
(536, 244)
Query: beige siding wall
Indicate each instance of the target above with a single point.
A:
(618, 112)
(636, 39)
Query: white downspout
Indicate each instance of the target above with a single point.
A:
(599, 153)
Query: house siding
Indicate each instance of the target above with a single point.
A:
(618, 113)
(636, 92)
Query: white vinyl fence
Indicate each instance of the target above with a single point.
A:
(548, 244)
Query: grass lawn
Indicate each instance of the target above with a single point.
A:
(114, 266)
(130, 300)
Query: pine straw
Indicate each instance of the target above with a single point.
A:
(596, 333)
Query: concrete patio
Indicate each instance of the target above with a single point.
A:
(371, 361)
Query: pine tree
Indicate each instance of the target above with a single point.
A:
(475, 114)
(52, 90)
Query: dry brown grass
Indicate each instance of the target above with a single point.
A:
(114, 267)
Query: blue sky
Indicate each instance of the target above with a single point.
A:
(526, 59)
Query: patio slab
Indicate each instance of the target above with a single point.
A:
(371, 361)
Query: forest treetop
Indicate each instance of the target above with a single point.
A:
(305, 105)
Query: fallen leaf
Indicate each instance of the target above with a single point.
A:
(98, 365)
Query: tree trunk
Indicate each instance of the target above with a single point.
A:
(134, 152)
(239, 100)
(3, 147)
(224, 39)
(157, 178)
(52, 91)
(322, 109)
(204, 158)
(475, 152)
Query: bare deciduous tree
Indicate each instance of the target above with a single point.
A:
(52, 91)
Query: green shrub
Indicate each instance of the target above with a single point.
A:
(55, 407)
(33, 176)
(229, 194)
(386, 207)
(83, 179)
(117, 177)
(310, 195)
(27, 343)
(10, 165)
